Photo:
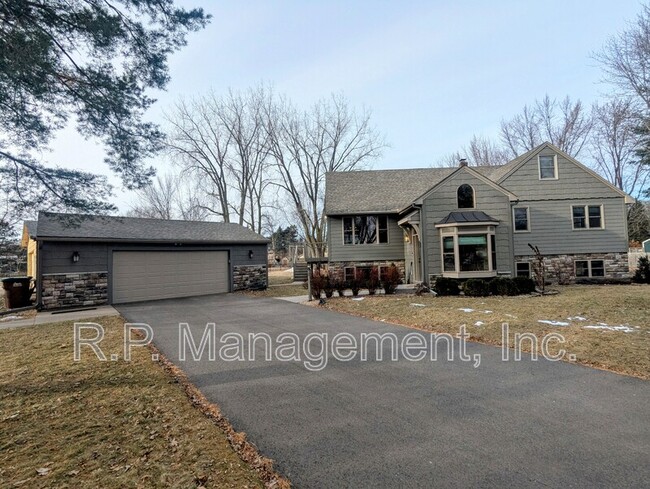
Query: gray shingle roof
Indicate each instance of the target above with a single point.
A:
(111, 228)
(383, 190)
(31, 228)
(465, 217)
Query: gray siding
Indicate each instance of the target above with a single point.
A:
(393, 250)
(573, 182)
(57, 257)
(551, 224)
(550, 204)
(488, 199)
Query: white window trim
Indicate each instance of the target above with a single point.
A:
(530, 268)
(539, 167)
(589, 268)
(455, 232)
(528, 230)
(586, 208)
(376, 243)
(473, 197)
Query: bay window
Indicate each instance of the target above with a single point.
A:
(468, 251)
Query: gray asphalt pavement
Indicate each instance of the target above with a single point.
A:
(412, 424)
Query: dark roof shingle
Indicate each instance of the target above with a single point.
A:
(111, 228)
(465, 217)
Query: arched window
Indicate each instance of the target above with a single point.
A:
(465, 197)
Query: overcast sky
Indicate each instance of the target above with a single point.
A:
(433, 73)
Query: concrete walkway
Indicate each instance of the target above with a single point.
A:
(59, 316)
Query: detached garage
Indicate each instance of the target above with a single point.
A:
(83, 260)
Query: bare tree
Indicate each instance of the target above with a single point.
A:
(200, 145)
(306, 145)
(223, 141)
(565, 124)
(626, 59)
(157, 200)
(614, 144)
(483, 151)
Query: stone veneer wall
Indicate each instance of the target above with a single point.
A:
(616, 265)
(249, 277)
(74, 289)
(340, 266)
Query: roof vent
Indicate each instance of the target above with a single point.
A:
(462, 162)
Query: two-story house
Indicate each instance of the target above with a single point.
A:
(469, 222)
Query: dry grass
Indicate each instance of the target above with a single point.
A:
(280, 276)
(279, 291)
(627, 353)
(103, 424)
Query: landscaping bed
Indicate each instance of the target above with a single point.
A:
(109, 424)
(604, 326)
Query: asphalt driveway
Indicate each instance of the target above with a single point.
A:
(411, 424)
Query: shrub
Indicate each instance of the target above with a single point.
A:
(328, 285)
(317, 284)
(525, 285)
(642, 274)
(476, 287)
(446, 286)
(503, 286)
(357, 282)
(340, 284)
(373, 282)
(391, 279)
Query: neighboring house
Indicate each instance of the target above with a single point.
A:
(472, 222)
(80, 260)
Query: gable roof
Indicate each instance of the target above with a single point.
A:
(111, 228)
(390, 191)
(477, 174)
(29, 231)
(518, 162)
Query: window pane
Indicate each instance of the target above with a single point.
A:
(473, 253)
(383, 229)
(493, 243)
(523, 270)
(595, 218)
(546, 167)
(597, 268)
(448, 254)
(347, 230)
(365, 229)
(465, 197)
(579, 221)
(582, 269)
(521, 219)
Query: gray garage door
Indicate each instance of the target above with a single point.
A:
(149, 275)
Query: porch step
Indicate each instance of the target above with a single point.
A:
(300, 271)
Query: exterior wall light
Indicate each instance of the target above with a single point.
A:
(250, 254)
(407, 238)
(75, 257)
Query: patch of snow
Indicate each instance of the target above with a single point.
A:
(358, 298)
(576, 318)
(465, 309)
(10, 318)
(417, 305)
(479, 323)
(487, 312)
(624, 328)
(552, 323)
(511, 316)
